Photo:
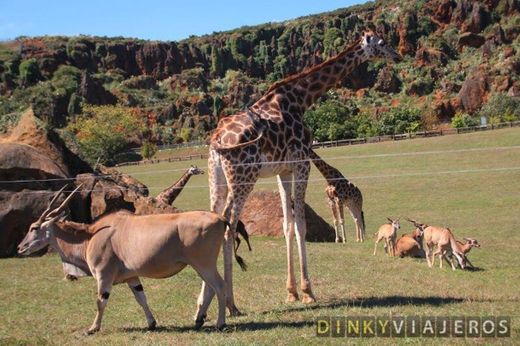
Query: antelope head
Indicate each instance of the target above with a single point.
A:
(395, 223)
(472, 242)
(420, 226)
(42, 230)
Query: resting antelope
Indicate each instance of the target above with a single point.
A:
(446, 244)
(411, 244)
(388, 232)
(121, 247)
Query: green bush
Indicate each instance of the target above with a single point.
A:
(463, 120)
(66, 78)
(501, 106)
(105, 131)
(29, 72)
(148, 150)
(332, 120)
(400, 120)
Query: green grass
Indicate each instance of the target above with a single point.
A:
(481, 200)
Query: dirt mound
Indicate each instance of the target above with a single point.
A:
(263, 215)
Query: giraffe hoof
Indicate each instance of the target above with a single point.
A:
(292, 297)
(308, 299)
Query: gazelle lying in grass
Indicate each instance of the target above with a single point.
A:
(388, 232)
(120, 247)
(411, 244)
(446, 243)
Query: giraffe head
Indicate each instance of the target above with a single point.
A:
(194, 170)
(375, 47)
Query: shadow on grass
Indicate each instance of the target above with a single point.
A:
(372, 302)
(234, 327)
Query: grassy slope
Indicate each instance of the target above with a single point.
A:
(38, 307)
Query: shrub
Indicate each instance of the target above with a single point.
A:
(501, 106)
(332, 120)
(400, 120)
(463, 120)
(66, 78)
(105, 131)
(148, 150)
(29, 72)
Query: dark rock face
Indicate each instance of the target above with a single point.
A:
(387, 81)
(473, 91)
(470, 39)
(263, 216)
(93, 91)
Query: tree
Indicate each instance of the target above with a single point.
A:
(29, 72)
(105, 131)
(332, 120)
(148, 150)
(400, 120)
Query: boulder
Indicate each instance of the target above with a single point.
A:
(263, 216)
(17, 211)
(48, 143)
(473, 91)
(92, 90)
(387, 81)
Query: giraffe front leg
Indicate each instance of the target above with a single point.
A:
(342, 221)
(301, 176)
(284, 186)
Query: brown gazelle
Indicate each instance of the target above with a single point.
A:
(121, 247)
(340, 193)
(270, 139)
(411, 244)
(446, 244)
(388, 233)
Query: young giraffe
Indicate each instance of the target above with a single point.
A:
(170, 194)
(341, 192)
(271, 139)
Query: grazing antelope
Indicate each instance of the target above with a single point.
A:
(411, 244)
(120, 247)
(388, 232)
(446, 244)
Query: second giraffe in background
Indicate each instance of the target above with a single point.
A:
(170, 194)
(340, 193)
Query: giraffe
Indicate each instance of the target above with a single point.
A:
(170, 194)
(341, 192)
(269, 139)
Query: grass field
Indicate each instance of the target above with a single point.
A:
(470, 183)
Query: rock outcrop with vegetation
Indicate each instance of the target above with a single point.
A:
(458, 55)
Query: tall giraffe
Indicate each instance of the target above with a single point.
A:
(271, 139)
(170, 194)
(340, 193)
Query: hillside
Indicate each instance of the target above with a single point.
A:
(458, 55)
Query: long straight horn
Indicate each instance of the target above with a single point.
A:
(415, 223)
(65, 202)
(54, 198)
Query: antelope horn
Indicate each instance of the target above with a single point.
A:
(58, 210)
(415, 223)
(54, 198)
(389, 219)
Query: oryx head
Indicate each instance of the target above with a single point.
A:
(375, 47)
(41, 231)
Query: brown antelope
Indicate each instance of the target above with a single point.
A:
(465, 248)
(446, 244)
(411, 244)
(120, 247)
(388, 232)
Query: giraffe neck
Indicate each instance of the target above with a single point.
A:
(306, 87)
(170, 194)
(330, 173)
